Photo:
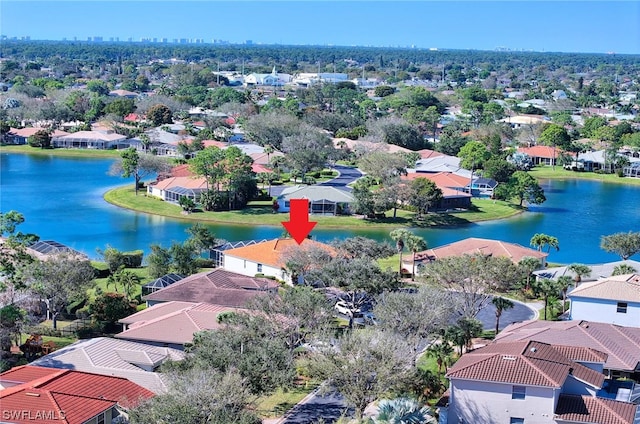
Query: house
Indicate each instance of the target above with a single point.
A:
(632, 170)
(136, 362)
(487, 247)
(217, 253)
(325, 200)
(614, 300)
(173, 188)
(268, 257)
(364, 146)
(306, 79)
(43, 249)
(621, 344)
(273, 79)
(91, 140)
(20, 136)
(542, 155)
(442, 163)
(218, 287)
(519, 121)
(532, 382)
(172, 324)
(37, 394)
(123, 93)
(453, 187)
(483, 187)
(598, 271)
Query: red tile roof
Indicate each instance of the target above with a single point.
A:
(525, 363)
(65, 396)
(28, 132)
(272, 252)
(426, 153)
(546, 152)
(185, 182)
(473, 245)
(589, 409)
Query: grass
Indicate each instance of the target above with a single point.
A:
(559, 173)
(85, 153)
(279, 402)
(482, 210)
(59, 341)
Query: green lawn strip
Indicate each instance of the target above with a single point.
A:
(559, 173)
(483, 209)
(85, 153)
(59, 341)
(279, 402)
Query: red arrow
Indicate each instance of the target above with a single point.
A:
(298, 225)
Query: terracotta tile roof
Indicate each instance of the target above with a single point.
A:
(271, 252)
(185, 182)
(369, 145)
(263, 158)
(547, 152)
(80, 395)
(19, 375)
(624, 288)
(175, 327)
(183, 170)
(441, 179)
(524, 363)
(589, 409)
(213, 143)
(218, 287)
(471, 246)
(92, 135)
(426, 153)
(28, 132)
(621, 344)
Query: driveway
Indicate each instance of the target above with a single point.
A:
(328, 407)
(347, 176)
(519, 312)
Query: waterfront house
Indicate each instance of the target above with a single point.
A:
(91, 140)
(173, 188)
(542, 155)
(21, 135)
(621, 344)
(614, 300)
(136, 362)
(37, 394)
(532, 382)
(454, 189)
(324, 200)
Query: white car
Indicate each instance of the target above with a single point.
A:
(343, 307)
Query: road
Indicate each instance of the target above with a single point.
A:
(328, 407)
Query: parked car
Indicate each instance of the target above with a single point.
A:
(344, 308)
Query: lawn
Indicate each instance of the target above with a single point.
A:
(483, 209)
(279, 402)
(86, 153)
(559, 173)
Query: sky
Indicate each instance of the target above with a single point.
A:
(558, 26)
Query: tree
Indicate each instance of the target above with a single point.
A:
(473, 155)
(400, 236)
(564, 282)
(473, 277)
(138, 166)
(403, 411)
(113, 257)
(547, 288)
(580, 270)
(499, 169)
(158, 261)
(555, 135)
(271, 128)
(98, 87)
(208, 163)
(529, 264)
(160, 114)
(415, 244)
(525, 188)
(383, 166)
(363, 366)
(362, 247)
(624, 245)
(415, 317)
(125, 278)
(441, 351)
(540, 240)
(500, 304)
(623, 269)
(120, 107)
(59, 280)
(201, 238)
(384, 91)
(40, 139)
(424, 193)
(308, 151)
(199, 395)
(464, 331)
(111, 307)
(183, 258)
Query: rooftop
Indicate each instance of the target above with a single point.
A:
(472, 246)
(619, 288)
(271, 252)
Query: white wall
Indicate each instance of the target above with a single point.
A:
(475, 402)
(249, 268)
(575, 387)
(602, 310)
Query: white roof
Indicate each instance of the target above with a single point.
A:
(619, 288)
(316, 193)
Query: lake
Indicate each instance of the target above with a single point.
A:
(61, 199)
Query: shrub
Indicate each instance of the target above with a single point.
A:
(204, 263)
(132, 259)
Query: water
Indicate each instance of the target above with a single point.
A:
(61, 199)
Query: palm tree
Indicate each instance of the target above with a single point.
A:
(415, 244)
(402, 411)
(501, 304)
(547, 288)
(580, 270)
(623, 269)
(529, 264)
(541, 240)
(127, 279)
(400, 236)
(440, 351)
(564, 282)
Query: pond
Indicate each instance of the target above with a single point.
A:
(61, 199)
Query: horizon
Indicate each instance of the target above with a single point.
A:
(528, 26)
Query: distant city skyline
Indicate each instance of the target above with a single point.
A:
(568, 26)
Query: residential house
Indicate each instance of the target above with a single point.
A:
(454, 189)
(43, 249)
(37, 394)
(519, 121)
(614, 300)
(217, 287)
(173, 188)
(364, 146)
(531, 382)
(598, 271)
(217, 253)
(20, 136)
(172, 324)
(442, 163)
(487, 247)
(542, 155)
(621, 344)
(160, 283)
(632, 170)
(136, 362)
(274, 79)
(91, 140)
(269, 258)
(325, 200)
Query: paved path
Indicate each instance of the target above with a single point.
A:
(347, 175)
(520, 312)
